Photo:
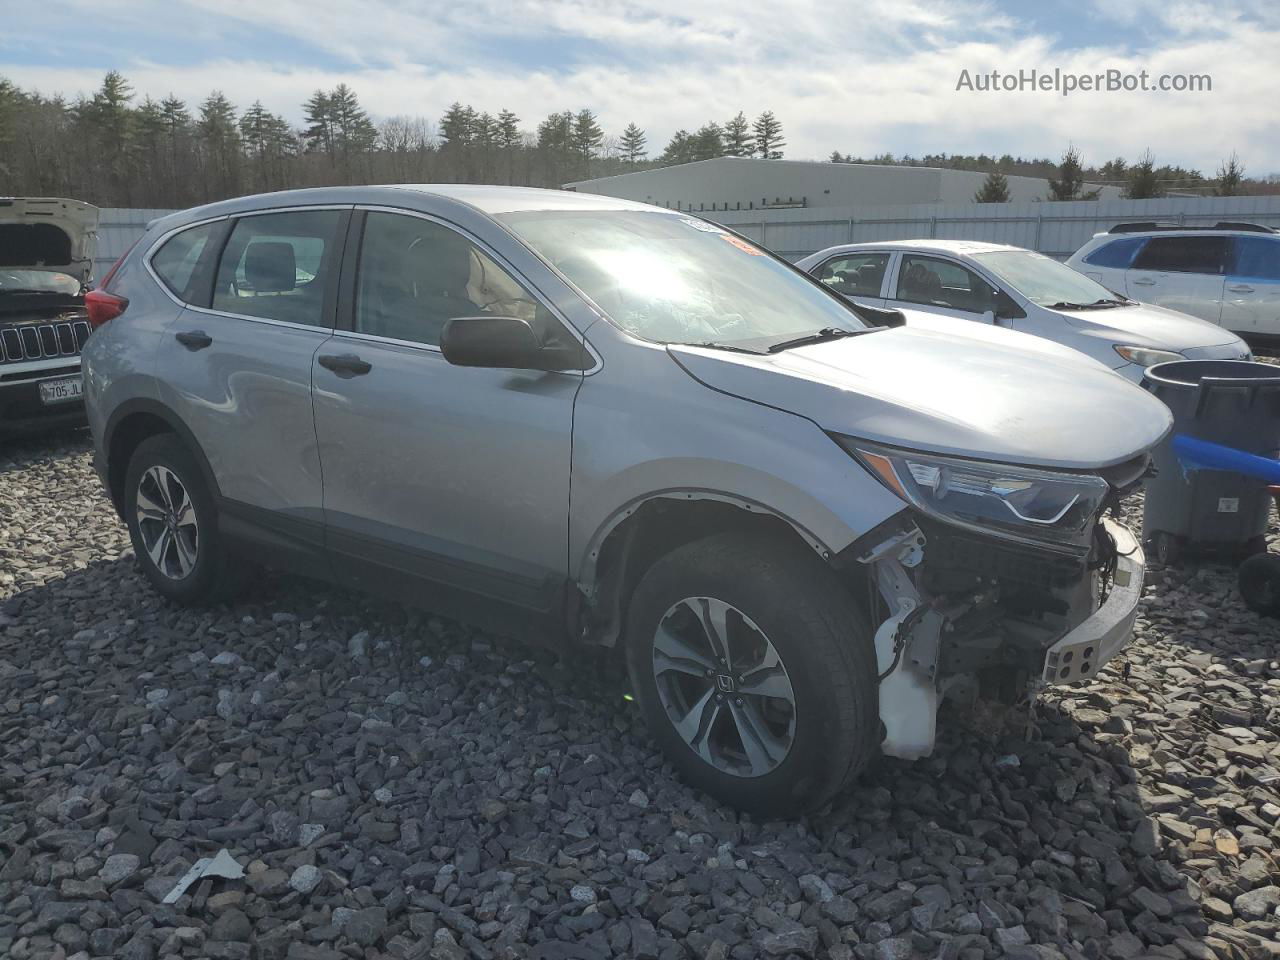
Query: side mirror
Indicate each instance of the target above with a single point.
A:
(1006, 309)
(505, 343)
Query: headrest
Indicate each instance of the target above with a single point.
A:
(269, 266)
(443, 263)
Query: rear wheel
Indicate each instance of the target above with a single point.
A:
(755, 671)
(173, 524)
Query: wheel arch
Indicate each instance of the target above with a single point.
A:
(637, 534)
(130, 424)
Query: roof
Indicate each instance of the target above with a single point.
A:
(486, 199)
(499, 199)
(963, 247)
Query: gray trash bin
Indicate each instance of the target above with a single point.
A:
(1235, 403)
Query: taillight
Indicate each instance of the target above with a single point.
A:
(102, 307)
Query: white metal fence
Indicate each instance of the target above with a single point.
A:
(118, 229)
(1056, 229)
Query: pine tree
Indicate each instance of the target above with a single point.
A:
(318, 111)
(353, 132)
(1144, 182)
(587, 137)
(1115, 169)
(633, 141)
(707, 142)
(1230, 176)
(1070, 177)
(995, 189)
(678, 150)
(508, 134)
(220, 139)
(768, 133)
(737, 137)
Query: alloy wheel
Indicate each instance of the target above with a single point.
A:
(167, 522)
(724, 687)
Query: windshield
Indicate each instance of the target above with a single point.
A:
(1042, 280)
(674, 279)
(38, 281)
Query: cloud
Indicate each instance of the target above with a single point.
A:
(864, 78)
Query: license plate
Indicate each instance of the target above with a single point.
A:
(61, 391)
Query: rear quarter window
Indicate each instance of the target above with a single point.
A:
(176, 260)
(1118, 254)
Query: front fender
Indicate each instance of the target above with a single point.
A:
(731, 450)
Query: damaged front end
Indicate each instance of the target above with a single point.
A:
(970, 603)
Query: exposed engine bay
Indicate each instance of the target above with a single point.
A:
(962, 615)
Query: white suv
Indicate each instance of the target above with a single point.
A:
(1228, 274)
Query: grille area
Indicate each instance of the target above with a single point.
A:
(43, 341)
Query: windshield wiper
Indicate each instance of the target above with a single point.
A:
(818, 336)
(718, 345)
(1096, 305)
(26, 290)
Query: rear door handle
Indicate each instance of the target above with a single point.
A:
(193, 339)
(345, 364)
(1144, 282)
(1241, 288)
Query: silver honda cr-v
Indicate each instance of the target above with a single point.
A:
(596, 422)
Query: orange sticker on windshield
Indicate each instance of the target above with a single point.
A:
(742, 245)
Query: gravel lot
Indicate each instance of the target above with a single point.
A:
(398, 785)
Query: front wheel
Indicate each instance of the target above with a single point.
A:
(755, 671)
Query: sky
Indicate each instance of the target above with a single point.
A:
(859, 76)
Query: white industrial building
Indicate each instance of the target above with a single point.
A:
(738, 183)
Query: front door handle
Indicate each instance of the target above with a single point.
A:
(193, 339)
(345, 364)
(1144, 282)
(1241, 288)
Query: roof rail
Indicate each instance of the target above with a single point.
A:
(1151, 226)
(1243, 225)
(1142, 226)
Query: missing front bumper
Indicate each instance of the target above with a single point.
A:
(1082, 652)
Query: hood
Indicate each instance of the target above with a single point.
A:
(1146, 325)
(48, 234)
(988, 399)
(985, 333)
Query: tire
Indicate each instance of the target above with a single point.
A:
(1259, 582)
(190, 567)
(1252, 547)
(1168, 549)
(771, 593)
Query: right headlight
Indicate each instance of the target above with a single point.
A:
(1017, 503)
(1145, 356)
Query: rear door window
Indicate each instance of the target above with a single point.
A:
(176, 260)
(1184, 254)
(1257, 258)
(1118, 254)
(941, 283)
(859, 274)
(280, 266)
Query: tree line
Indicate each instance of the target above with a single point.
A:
(114, 148)
(1069, 178)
